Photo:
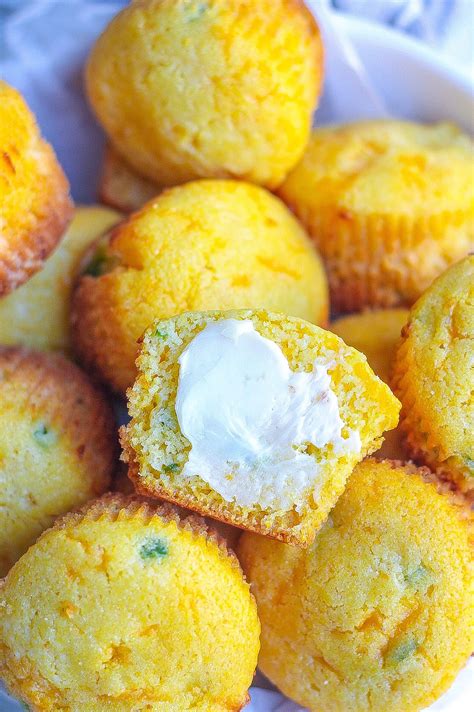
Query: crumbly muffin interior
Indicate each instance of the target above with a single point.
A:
(158, 450)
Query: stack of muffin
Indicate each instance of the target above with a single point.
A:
(207, 306)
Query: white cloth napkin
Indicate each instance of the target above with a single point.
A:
(445, 25)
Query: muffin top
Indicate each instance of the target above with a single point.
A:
(379, 613)
(434, 371)
(183, 95)
(386, 167)
(126, 605)
(254, 417)
(35, 207)
(65, 410)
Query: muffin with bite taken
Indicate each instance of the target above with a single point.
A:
(251, 417)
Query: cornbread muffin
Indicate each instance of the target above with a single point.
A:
(35, 207)
(253, 418)
(121, 187)
(37, 314)
(390, 205)
(192, 98)
(128, 606)
(379, 613)
(206, 245)
(376, 334)
(434, 376)
(57, 445)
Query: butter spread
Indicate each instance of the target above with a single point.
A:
(249, 417)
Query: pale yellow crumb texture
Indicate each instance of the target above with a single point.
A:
(37, 313)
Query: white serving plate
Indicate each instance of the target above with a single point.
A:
(410, 81)
(414, 81)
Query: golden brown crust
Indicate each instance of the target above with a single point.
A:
(41, 686)
(173, 142)
(189, 503)
(49, 383)
(462, 503)
(278, 269)
(432, 376)
(446, 471)
(16, 266)
(299, 7)
(320, 612)
(23, 676)
(35, 207)
(444, 487)
(158, 360)
(97, 326)
(459, 500)
(123, 484)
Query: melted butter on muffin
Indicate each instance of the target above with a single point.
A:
(158, 449)
(247, 414)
